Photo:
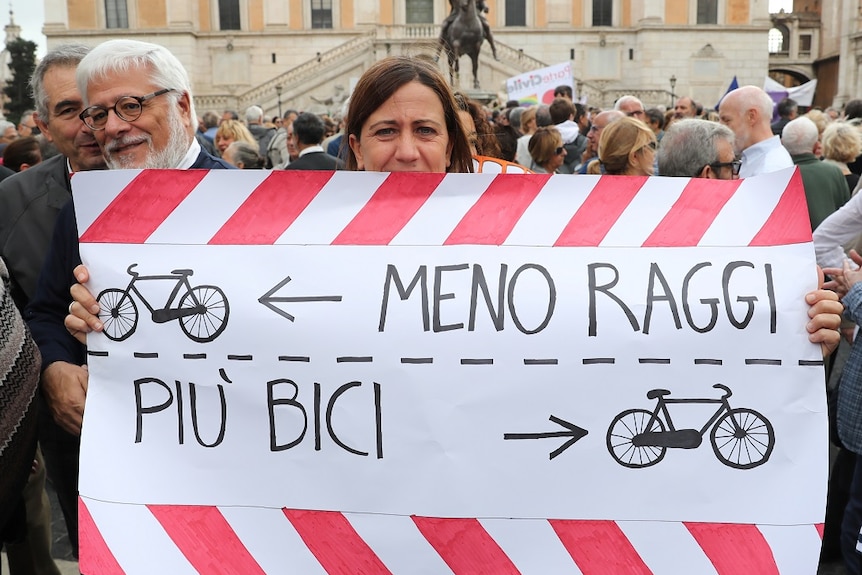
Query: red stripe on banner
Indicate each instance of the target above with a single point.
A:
(693, 213)
(789, 222)
(734, 548)
(96, 558)
(333, 541)
(205, 538)
(465, 546)
(599, 547)
(389, 209)
(142, 206)
(601, 210)
(820, 528)
(492, 218)
(271, 208)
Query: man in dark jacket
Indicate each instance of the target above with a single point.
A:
(308, 130)
(138, 104)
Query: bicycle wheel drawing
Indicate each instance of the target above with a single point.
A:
(622, 432)
(118, 313)
(742, 439)
(211, 313)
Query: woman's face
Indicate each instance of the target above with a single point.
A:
(407, 133)
(643, 161)
(557, 159)
(222, 141)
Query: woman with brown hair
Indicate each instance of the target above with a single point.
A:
(546, 149)
(403, 118)
(627, 147)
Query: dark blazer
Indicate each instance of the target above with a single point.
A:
(50, 304)
(316, 161)
(29, 205)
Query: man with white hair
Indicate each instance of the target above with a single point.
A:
(695, 148)
(748, 112)
(631, 107)
(263, 135)
(138, 105)
(825, 187)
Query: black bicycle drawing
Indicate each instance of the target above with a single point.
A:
(741, 438)
(202, 311)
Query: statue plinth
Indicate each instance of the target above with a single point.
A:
(481, 96)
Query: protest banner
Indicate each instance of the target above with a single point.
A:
(537, 87)
(319, 372)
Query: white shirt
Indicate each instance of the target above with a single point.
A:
(839, 229)
(191, 156)
(310, 149)
(764, 157)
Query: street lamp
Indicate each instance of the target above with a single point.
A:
(672, 86)
(278, 93)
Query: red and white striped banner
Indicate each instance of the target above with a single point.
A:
(371, 426)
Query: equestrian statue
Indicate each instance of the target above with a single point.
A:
(463, 31)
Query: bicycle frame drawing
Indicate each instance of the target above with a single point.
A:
(741, 437)
(202, 311)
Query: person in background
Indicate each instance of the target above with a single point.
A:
(841, 144)
(627, 148)
(787, 110)
(631, 107)
(547, 151)
(230, 131)
(243, 155)
(698, 149)
(599, 122)
(255, 122)
(655, 120)
(685, 107)
(308, 131)
(23, 153)
(528, 128)
(564, 91)
(27, 126)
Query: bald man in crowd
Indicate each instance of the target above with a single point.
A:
(748, 112)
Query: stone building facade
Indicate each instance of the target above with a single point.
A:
(306, 53)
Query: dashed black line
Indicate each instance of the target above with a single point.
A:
(298, 358)
(97, 353)
(477, 361)
(417, 360)
(354, 359)
(598, 360)
(146, 355)
(708, 361)
(753, 361)
(194, 356)
(807, 362)
(248, 357)
(549, 361)
(655, 360)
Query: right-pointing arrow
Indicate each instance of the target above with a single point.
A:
(574, 432)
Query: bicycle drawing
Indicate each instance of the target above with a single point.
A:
(202, 311)
(741, 438)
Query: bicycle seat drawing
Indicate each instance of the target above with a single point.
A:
(202, 311)
(741, 438)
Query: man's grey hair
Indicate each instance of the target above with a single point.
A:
(123, 56)
(253, 115)
(689, 145)
(65, 55)
(5, 125)
(799, 136)
(245, 153)
(626, 99)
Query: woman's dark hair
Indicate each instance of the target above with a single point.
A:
(22, 151)
(487, 144)
(386, 77)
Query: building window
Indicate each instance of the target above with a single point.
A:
(228, 15)
(707, 11)
(420, 11)
(603, 12)
(805, 44)
(778, 40)
(116, 14)
(321, 13)
(516, 12)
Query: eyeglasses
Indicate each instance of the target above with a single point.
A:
(127, 108)
(735, 165)
(559, 151)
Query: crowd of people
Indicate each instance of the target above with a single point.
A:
(129, 104)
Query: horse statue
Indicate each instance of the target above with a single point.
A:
(462, 33)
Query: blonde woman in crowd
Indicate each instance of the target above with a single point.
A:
(627, 147)
(230, 131)
(842, 143)
(546, 150)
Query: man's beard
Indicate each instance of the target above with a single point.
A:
(170, 157)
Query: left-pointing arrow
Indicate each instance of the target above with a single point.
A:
(268, 300)
(574, 432)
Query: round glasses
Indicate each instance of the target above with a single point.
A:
(127, 108)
